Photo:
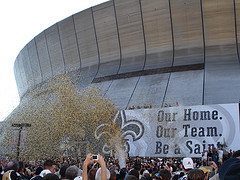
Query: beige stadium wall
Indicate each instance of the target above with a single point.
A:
(143, 52)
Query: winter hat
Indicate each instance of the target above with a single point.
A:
(230, 169)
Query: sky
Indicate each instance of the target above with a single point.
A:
(21, 21)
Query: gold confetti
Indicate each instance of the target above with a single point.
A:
(61, 116)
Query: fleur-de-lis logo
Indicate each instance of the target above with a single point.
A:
(132, 127)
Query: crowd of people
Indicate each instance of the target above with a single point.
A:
(148, 106)
(145, 106)
(137, 168)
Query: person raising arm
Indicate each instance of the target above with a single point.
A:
(101, 162)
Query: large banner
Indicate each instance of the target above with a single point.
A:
(181, 131)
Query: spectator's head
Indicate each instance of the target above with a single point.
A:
(99, 172)
(236, 154)
(146, 176)
(92, 173)
(230, 169)
(72, 172)
(78, 178)
(130, 177)
(137, 165)
(187, 164)
(50, 176)
(37, 178)
(157, 176)
(205, 171)
(21, 167)
(145, 173)
(50, 165)
(13, 175)
(38, 170)
(113, 175)
(195, 174)
(62, 171)
(134, 172)
(11, 165)
(123, 173)
(181, 174)
(165, 173)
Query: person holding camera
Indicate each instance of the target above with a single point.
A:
(91, 159)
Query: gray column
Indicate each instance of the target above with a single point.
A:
(106, 30)
(44, 58)
(156, 19)
(69, 44)
(34, 61)
(222, 80)
(55, 50)
(131, 35)
(187, 31)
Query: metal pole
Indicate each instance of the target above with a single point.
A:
(18, 144)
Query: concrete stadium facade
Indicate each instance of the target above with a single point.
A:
(143, 52)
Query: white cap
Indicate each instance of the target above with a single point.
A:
(99, 172)
(146, 172)
(187, 163)
(78, 178)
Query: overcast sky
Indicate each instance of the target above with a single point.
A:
(21, 21)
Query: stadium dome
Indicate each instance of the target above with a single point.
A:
(143, 52)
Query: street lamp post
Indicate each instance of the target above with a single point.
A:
(20, 126)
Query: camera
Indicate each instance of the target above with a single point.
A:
(95, 157)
